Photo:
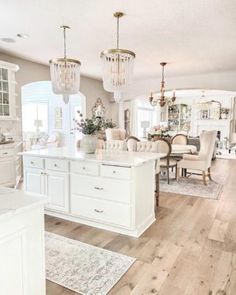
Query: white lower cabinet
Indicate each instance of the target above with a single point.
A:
(22, 269)
(57, 190)
(34, 181)
(105, 196)
(53, 185)
(6, 171)
(105, 211)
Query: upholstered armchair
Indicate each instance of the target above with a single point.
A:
(115, 134)
(202, 161)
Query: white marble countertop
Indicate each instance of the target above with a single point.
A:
(109, 157)
(10, 145)
(13, 201)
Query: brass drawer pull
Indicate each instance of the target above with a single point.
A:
(6, 153)
(31, 162)
(98, 188)
(98, 211)
(55, 165)
(83, 168)
(113, 171)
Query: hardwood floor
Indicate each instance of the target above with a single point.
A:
(189, 250)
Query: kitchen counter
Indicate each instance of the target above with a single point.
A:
(22, 261)
(111, 189)
(15, 201)
(10, 145)
(109, 157)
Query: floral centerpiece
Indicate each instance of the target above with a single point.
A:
(91, 128)
(158, 131)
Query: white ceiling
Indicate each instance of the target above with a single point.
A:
(193, 36)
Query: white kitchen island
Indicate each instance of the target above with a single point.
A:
(22, 266)
(113, 190)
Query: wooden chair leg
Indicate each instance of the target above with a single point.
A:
(209, 173)
(204, 177)
(157, 191)
(168, 175)
(176, 169)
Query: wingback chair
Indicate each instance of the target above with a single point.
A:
(202, 161)
(115, 134)
(179, 139)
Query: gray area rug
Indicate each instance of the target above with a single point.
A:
(81, 267)
(192, 187)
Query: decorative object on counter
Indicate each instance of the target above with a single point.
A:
(157, 131)
(162, 100)
(117, 66)
(98, 110)
(90, 129)
(65, 73)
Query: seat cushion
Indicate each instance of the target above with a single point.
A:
(163, 162)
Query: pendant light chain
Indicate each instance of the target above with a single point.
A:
(64, 34)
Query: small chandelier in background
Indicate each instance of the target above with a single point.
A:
(118, 66)
(65, 73)
(162, 100)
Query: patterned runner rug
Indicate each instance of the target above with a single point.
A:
(81, 267)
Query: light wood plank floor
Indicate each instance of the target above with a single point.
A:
(189, 250)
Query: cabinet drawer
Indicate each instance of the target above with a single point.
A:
(116, 172)
(34, 162)
(101, 188)
(84, 168)
(6, 153)
(56, 165)
(104, 211)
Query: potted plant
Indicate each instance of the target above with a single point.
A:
(89, 128)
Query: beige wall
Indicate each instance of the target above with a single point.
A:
(31, 72)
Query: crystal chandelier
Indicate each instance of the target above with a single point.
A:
(162, 100)
(117, 65)
(65, 73)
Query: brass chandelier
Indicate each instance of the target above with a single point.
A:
(162, 100)
(117, 65)
(65, 73)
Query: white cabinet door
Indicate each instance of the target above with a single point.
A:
(57, 190)
(22, 253)
(7, 171)
(34, 181)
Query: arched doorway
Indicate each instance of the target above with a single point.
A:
(46, 118)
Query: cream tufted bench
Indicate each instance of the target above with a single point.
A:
(116, 145)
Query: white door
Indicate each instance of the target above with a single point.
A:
(34, 181)
(7, 172)
(57, 191)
